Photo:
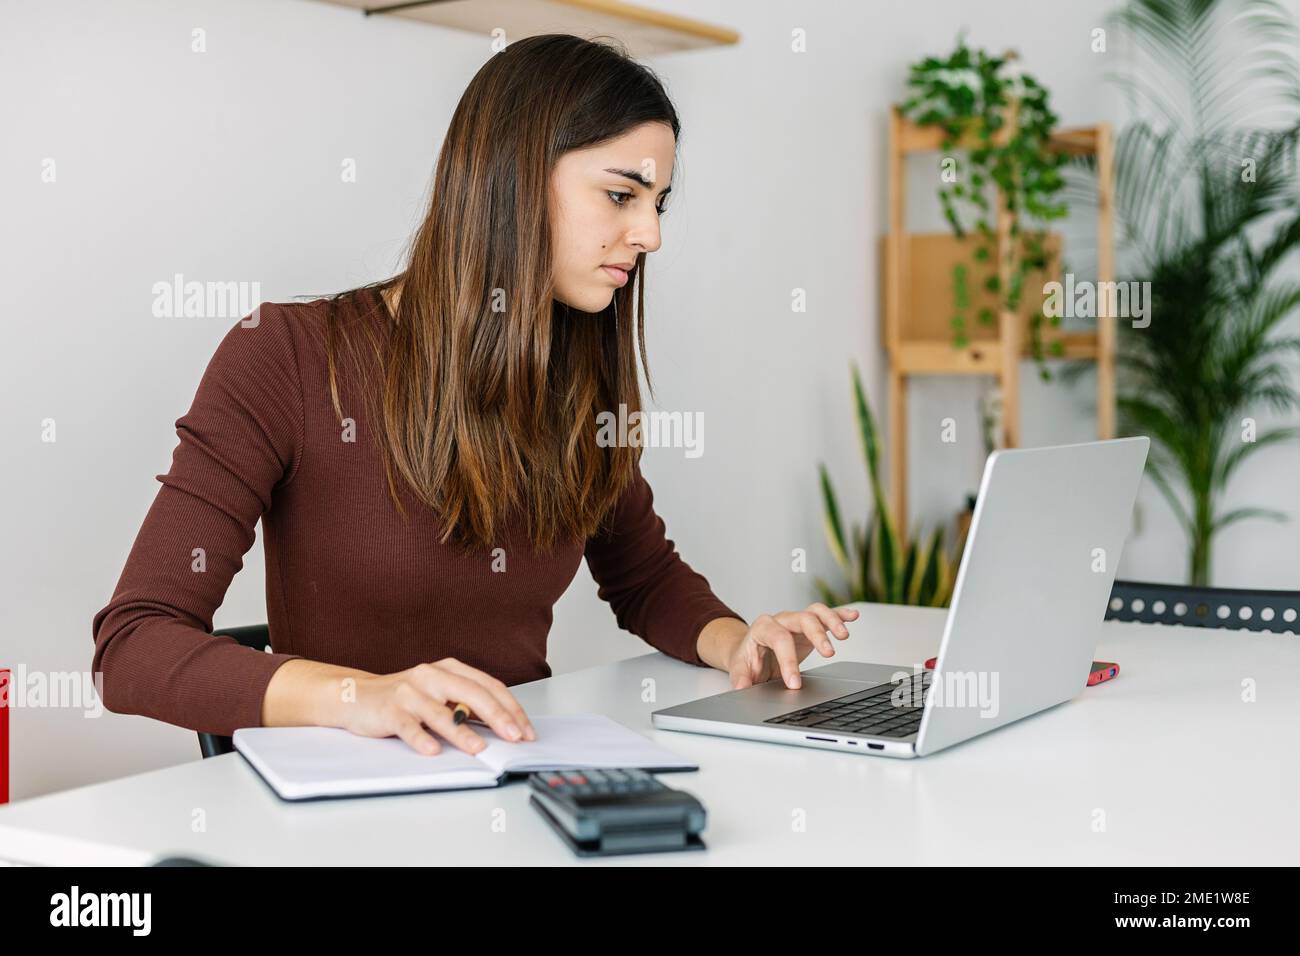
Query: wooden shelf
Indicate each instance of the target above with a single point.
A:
(928, 292)
(1076, 346)
(929, 139)
(1075, 142)
(912, 138)
(919, 299)
(643, 31)
(941, 357)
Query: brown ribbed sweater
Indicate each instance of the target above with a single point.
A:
(347, 581)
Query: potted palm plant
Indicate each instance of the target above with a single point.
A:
(1208, 202)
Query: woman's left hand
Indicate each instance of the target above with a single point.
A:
(776, 643)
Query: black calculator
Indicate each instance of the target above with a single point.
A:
(606, 812)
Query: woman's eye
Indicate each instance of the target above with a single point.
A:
(619, 199)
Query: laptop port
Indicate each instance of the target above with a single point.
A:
(829, 740)
(876, 746)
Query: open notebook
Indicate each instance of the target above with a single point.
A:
(304, 763)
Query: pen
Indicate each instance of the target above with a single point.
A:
(460, 714)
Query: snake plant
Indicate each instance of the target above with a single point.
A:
(877, 564)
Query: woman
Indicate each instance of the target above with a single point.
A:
(422, 452)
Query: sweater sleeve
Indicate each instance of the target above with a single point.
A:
(653, 592)
(240, 440)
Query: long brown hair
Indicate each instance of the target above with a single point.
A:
(490, 387)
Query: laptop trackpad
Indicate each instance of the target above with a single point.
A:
(771, 698)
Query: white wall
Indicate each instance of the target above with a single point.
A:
(225, 166)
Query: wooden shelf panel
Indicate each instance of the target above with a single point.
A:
(927, 294)
(1076, 141)
(929, 139)
(643, 31)
(1077, 345)
(939, 357)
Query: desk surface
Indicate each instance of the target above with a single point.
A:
(1165, 765)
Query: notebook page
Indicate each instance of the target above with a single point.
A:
(575, 740)
(328, 761)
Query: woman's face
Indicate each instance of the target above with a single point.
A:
(603, 216)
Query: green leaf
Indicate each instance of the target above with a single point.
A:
(831, 522)
(888, 560)
(908, 577)
(866, 430)
(1240, 514)
(928, 584)
(1229, 463)
(827, 595)
(1157, 476)
(888, 540)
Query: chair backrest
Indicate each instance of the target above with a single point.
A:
(256, 636)
(1235, 608)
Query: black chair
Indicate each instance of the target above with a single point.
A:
(256, 636)
(1189, 606)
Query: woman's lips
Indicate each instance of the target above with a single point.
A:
(618, 275)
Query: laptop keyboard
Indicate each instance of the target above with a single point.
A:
(871, 712)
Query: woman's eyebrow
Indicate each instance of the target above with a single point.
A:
(636, 177)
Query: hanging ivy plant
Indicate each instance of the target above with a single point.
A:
(966, 94)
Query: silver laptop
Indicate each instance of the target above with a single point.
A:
(1027, 607)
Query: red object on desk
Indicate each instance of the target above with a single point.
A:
(4, 736)
(1101, 670)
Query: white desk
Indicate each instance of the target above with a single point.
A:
(1184, 770)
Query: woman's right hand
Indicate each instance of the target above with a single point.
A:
(388, 704)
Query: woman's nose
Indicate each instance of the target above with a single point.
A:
(645, 234)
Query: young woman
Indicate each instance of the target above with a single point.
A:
(423, 455)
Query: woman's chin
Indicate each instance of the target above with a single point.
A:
(597, 300)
